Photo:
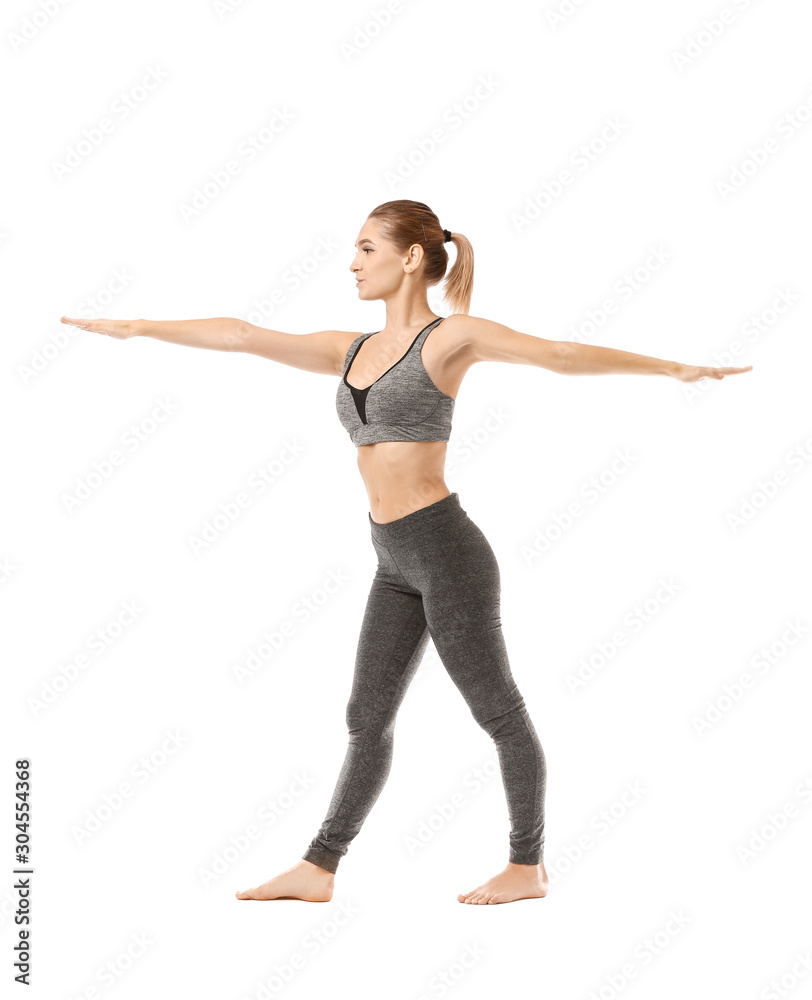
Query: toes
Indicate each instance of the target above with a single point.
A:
(255, 893)
(480, 897)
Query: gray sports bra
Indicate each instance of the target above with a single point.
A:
(403, 404)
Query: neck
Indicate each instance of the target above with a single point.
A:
(407, 312)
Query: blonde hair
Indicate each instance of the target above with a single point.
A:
(405, 222)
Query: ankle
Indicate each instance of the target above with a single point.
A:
(328, 876)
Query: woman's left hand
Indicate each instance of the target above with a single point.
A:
(692, 373)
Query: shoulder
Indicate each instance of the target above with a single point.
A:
(472, 334)
(483, 339)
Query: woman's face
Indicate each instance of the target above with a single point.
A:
(378, 270)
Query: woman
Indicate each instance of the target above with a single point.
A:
(437, 575)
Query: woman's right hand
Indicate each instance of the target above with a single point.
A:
(121, 329)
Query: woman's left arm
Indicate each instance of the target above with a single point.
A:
(489, 341)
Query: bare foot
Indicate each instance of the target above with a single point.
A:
(303, 881)
(515, 882)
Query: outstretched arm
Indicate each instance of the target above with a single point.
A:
(221, 333)
(489, 341)
(321, 352)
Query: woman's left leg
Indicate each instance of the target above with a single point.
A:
(448, 558)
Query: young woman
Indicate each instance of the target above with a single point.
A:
(437, 575)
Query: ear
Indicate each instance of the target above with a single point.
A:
(414, 255)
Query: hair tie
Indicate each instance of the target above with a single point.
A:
(446, 236)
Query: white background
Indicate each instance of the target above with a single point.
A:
(693, 106)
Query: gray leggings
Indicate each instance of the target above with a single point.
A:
(437, 575)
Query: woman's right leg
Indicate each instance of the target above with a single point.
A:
(393, 639)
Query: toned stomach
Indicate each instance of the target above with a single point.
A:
(402, 476)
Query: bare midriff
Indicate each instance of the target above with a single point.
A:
(402, 476)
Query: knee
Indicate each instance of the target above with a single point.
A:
(356, 718)
(508, 723)
(361, 718)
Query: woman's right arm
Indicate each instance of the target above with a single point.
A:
(323, 352)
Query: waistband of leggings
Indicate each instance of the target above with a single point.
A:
(418, 521)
